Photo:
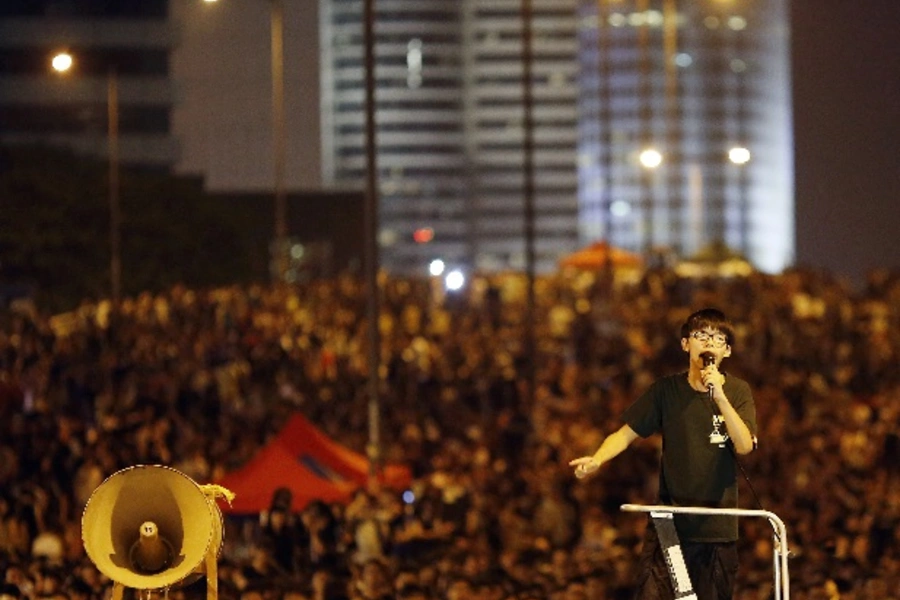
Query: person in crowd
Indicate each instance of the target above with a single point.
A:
(281, 529)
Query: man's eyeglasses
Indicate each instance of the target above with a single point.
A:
(718, 339)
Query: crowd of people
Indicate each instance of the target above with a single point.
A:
(486, 420)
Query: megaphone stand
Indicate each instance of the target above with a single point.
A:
(212, 575)
(211, 564)
(780, 552)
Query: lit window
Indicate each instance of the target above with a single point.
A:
(737, 65)
(414, 63)
(683, 60)
(737, 23)
(654, 18)
(617, 20)
(387, 237)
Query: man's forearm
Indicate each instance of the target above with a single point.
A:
(737, 430)
(614, 444)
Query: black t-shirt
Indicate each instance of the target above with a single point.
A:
(698, 469)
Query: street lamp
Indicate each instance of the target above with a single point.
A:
(739, 155)
(650, 158)
(63, 62)
(278, 136)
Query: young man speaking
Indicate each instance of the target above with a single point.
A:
(704, 416)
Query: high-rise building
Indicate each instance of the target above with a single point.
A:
(421, 148)
(496, 121)
(118, 76)
(685, 127)
(449, 114)
(656, 123)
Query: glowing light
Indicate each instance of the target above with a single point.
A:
(739, 155)
(682, 59)
(737, 65)
(454, 280)
(637, 19)
(654, 18)
(620, 208)
(388, 237)
(650, 158)
(414, 63)
(423, 235)
(436, 267)
(737, 23)
(617, 20)
(62, 62)
(711, 22)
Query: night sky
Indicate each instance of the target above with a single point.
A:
(846, 75)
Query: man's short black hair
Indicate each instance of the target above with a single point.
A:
(708, 318)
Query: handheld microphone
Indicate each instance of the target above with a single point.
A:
(708, 359)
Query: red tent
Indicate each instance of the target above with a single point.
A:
(599, 255)
(308, 463)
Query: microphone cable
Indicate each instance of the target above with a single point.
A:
(708, 359)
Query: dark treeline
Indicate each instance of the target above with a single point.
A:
(55, 236)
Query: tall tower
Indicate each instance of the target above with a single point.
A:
(125, 43)
(685, 129)
(449, 114)
(495, 130)
(419, 121)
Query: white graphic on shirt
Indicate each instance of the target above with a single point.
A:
(718, 435)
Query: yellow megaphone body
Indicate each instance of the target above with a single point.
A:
(151, 527)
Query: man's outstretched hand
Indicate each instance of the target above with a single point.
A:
(584, 466)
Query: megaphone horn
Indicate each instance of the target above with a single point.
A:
(151, 527)
(151, 553)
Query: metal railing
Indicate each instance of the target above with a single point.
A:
(780, 544)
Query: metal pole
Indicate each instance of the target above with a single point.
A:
(371, 243)
(645, 96)
(528, 175)
(115, 216)
(674, 153)
(743, 175)
(278, 136)
(604, 45)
